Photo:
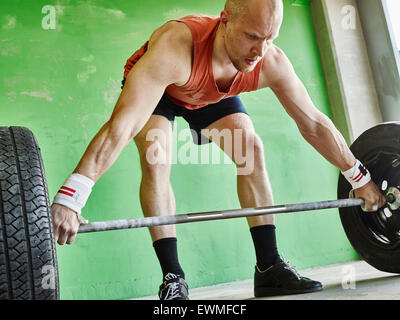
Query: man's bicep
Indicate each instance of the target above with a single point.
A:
(137, 101)
(144, 87)
(293, 95)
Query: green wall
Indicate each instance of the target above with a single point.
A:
(63, 85)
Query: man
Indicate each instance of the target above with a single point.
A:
(195, 67)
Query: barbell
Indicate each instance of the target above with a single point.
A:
(27, 246)
(219, 215)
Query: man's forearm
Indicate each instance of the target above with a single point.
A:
(103, 151)
(329, 142)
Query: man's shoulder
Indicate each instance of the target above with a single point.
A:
(188, 29)
(172, 40)
(274, 61)
(276, 66)
(174, 31)
(170, 49)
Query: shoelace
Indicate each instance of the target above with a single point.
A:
(170, 276)
(173, 291)
(291, 268)
(173, 288)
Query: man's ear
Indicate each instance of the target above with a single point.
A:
(224, 17)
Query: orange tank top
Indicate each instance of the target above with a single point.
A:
(201, 89)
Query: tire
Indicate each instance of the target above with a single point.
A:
(375, 237)
(28, 262)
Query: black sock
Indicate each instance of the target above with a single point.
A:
(265, 245)
(167, 254)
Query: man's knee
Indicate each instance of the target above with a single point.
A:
(258, 151)
(155, 161)
(249, 152)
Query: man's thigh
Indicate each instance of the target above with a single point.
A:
(232, 132)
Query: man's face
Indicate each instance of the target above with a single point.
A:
(247, 39)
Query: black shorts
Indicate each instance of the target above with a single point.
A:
(200, 118)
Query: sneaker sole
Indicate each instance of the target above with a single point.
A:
(268, 292)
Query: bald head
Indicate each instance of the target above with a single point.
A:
(248, 28)
(238, 9)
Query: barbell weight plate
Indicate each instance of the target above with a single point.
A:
(28, 262)
(375, 236)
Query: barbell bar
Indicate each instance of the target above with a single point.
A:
(219, 215)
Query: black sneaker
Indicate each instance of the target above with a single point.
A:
(174, 287)
(282, 279)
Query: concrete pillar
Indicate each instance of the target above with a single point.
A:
(382, 50)
(348, 73)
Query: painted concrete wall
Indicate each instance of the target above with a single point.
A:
(63, 83)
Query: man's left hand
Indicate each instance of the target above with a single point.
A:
(374, 199)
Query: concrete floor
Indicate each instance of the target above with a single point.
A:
(354, 280)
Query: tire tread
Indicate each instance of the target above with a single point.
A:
(27, 243)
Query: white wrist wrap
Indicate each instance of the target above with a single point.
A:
(358, 176)
(74, 194)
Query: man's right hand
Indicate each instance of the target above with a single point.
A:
(65, 224)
